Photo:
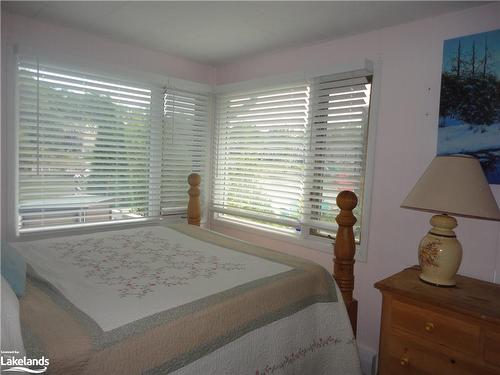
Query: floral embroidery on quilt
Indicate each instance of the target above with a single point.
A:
(136, 264)
(300, 353)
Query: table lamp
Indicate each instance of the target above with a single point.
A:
(451, 185)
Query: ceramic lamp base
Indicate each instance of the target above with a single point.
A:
(440, 253)
(432, 281)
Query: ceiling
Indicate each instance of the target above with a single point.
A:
(215, 33)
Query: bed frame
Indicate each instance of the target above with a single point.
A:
(344, 246)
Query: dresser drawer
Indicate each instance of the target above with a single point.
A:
(405, 356)
(437, 328)
(429, 330)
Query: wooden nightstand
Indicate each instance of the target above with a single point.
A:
(431, 330)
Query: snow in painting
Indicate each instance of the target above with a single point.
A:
(469, 110)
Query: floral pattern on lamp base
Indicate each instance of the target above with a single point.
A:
(440, 253)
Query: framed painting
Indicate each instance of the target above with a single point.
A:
(469, 109)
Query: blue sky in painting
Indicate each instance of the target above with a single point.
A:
(492, 38)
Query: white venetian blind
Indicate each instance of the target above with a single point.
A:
(336, 162)
(260, 153)
(83, 152)
(185, 145)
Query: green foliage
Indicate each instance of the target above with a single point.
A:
(477, 106)
(451, 94)
(474, 99)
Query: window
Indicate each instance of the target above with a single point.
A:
(283, 154)
(185, 141)
(260, 155)
(337, 149)
(93, 149)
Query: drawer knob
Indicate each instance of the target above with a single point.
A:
(429, 327)
(404, 361)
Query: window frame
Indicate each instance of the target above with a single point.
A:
(9, 145)
(337, 78)
(205, 171)
(10, 135)
(71, 111)
(267, 152)
(304, 238)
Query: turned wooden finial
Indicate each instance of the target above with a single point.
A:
(344, 250)
(194, 209)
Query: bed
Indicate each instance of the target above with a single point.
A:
(183, 300)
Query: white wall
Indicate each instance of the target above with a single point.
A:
(407, 67)
(56, 40)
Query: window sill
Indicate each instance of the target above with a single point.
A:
(322, 245)
(34, 234)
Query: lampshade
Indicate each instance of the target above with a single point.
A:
(454, 185)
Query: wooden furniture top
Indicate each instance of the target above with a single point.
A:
(480, 299)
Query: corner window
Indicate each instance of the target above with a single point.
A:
(185, 142)
(92, 149)
(284, 153)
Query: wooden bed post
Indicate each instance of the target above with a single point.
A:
(194, 209)
(344, 250)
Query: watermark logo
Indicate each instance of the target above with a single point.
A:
(12, 363)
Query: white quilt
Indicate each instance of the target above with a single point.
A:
(183, 301)
(316, 343)
(122, 276)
